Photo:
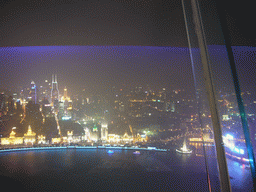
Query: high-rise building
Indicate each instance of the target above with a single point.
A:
(46, 108)
(15, 96)
(94, 133)
(61, 112)
(104, 130)
(32, 93)
(10, 105)
(65, 99)
(54, 91)
(67, 103)
(65, 92)
(45, 91)
(2, 102)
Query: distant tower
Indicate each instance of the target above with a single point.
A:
(33, 92)
(65, 93)
(104, 130)
(45, 91)
(55, 90)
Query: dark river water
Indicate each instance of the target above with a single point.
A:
(96, 170)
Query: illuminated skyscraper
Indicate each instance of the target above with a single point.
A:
(67, 103)
(45, 91)
(61, 110)
(65, 93)
(32, 93)
(54, 91)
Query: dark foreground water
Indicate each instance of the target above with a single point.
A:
(96, 170)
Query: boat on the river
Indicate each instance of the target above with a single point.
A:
(136, 152)
(110, 151)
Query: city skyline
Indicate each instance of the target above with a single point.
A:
(148, 25)
(102, 67)
(99, 67)
(123, 95)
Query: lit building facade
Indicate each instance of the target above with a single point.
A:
(29, 137)
(141, 138)
(113, 138)
(126, 138)
(70, 136)
(56, 140)
(41, 139)
(12, 140)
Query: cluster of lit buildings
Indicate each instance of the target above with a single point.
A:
(31, 138)
(144, 109)
(47, 95)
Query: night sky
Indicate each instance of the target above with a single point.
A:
(97, 67)
(152, 31)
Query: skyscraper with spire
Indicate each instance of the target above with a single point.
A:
(54, 91)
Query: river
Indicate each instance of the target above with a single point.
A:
(97, 170)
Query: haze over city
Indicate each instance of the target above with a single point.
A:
(107, 95)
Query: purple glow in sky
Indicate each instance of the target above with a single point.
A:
(96, 67)
(101, 67)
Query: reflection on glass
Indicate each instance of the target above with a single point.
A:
(212, 68)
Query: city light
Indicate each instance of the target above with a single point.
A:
(136, 93)
(66, 118)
